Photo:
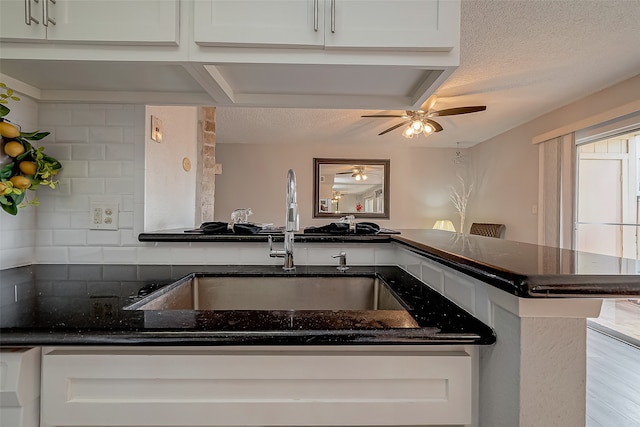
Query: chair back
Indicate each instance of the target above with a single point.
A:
(489, 230)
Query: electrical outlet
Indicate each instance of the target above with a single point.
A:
(103, 216)
(105, 308)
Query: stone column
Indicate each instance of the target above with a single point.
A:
(206, 178)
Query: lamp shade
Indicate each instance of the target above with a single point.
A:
(444, 224)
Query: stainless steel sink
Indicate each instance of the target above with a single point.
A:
(208, 292)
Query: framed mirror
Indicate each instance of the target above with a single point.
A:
(358, 187)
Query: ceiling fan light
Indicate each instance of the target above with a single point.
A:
(428, 129)
(364, 177)
(417, 126)
(358, 177)
(408, 132)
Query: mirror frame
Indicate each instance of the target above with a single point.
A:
(317, 162)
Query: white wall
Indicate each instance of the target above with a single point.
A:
(17, 233)
(506, 167)
(254, 176)
(170, 191)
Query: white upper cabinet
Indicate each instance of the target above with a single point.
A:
(21, 20)
(91, 21)
(282, 23)
(420, 25)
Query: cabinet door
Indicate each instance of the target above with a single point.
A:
(115, 21)
(256, 388)
(281, 23)
(14, 15)
(421, 25)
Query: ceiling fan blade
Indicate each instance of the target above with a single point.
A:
(385, 115)
(458, 110)
(436, 125)
(394, 127)
(429, 103)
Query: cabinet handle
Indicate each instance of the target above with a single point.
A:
(45, 13)
(333, 16)
(28, 19)
(315, 15)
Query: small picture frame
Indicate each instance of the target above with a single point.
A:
(324, 205)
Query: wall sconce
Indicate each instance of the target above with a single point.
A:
(444, 224)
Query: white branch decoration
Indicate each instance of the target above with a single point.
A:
(460, 199)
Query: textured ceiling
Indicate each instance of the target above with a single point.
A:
(520, 58)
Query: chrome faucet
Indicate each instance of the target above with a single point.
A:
(292, 224)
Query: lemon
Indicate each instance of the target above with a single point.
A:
(8, 130)
(28, 168)
(13, 148)
(3, 187)
(20, 182)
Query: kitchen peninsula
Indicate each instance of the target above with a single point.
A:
(531, 372)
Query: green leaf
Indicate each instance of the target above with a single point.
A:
(6, 171)
(4, 110)
(34, 136)
(10, 208)
(9, 92)
(18, 198)
(23, 155)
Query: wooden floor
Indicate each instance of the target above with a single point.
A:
(613, 382)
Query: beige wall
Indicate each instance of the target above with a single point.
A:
(506, 167)
(254, 176)
(504, 171)
(170, 190)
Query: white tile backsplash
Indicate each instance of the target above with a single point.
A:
(87, 186)
(106, 135)
(120, 152)
(85, 254)
(70, 134)
(75, 169)
(88, 152)
(104, 169)
(69, 237)
(56, 115)
(87, 116)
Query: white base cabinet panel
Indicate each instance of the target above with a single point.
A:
(20, 387)
(172, 387)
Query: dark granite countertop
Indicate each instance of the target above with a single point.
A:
(187, 235)
(522, 269)
(81, 304)
(527, 270)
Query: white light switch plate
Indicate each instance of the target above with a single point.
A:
(103, 216)
(156, 129)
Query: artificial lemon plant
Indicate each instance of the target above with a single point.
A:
(22, 166)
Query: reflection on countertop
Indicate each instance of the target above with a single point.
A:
(79, 304)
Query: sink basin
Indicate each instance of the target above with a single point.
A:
(199, 291)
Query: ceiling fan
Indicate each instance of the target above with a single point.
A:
(421, 121)
(357, 172)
